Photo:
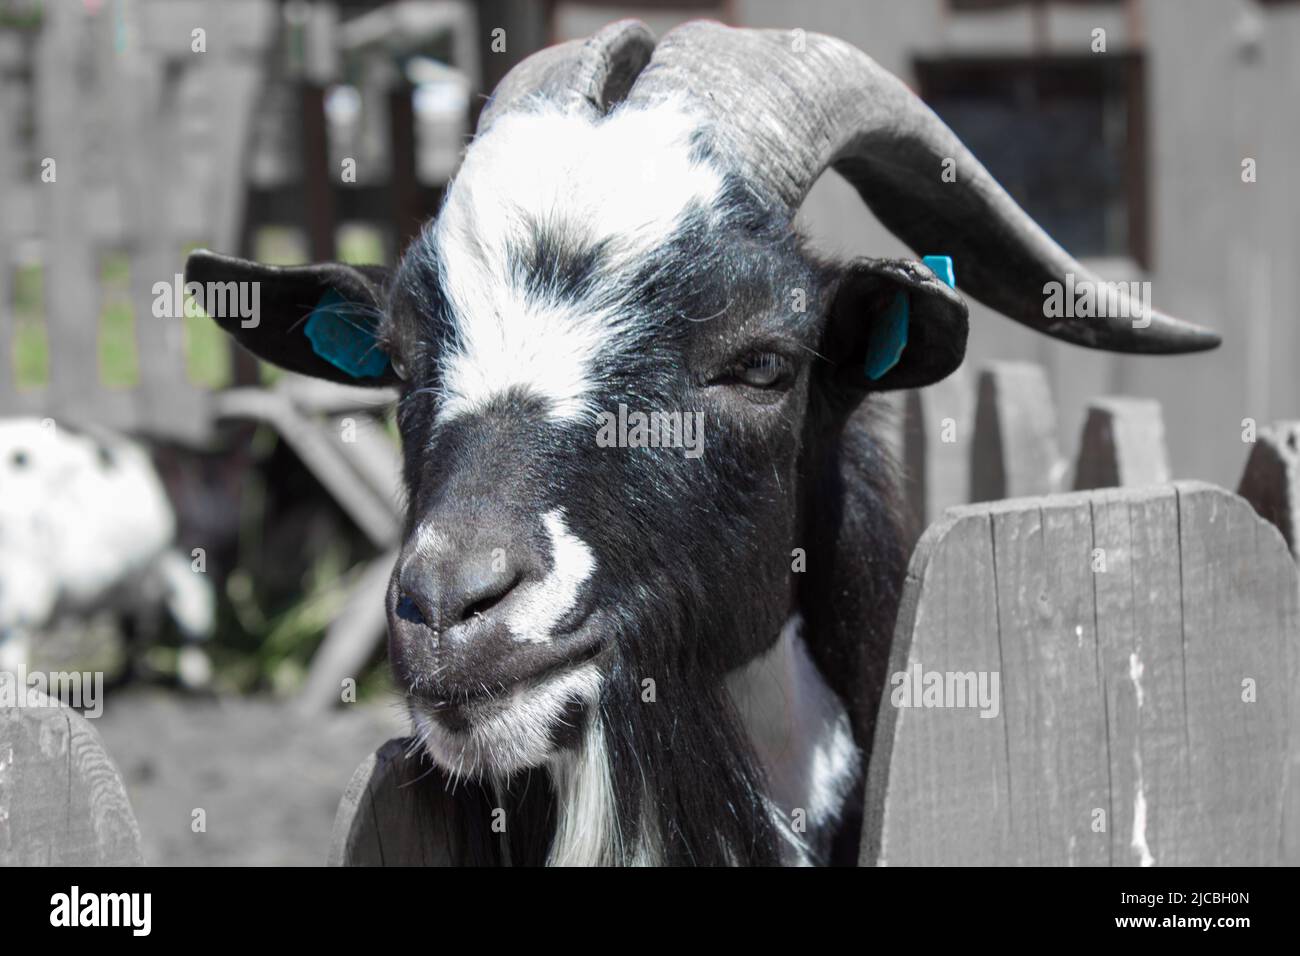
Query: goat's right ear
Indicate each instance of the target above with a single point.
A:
(895, 323)
(319, 320)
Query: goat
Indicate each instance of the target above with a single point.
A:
(613, 644)
(85, 526)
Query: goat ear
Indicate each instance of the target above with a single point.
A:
(319, 320)
(895, 323)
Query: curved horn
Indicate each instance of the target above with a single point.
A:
(786, 105)
(590, 75)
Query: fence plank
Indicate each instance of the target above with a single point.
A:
(1240, 647)
(71, 277)
(1123, 445)
(950, 598)
(1271, 481)
(1057, 761)
(394, 813)
(1014, 452)
(62, 801)
(937, 430)
(1145, 642)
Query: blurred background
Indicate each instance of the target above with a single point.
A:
(288, 131)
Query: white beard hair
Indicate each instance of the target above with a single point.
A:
(587, 831)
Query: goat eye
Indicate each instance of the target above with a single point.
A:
(399, 367)
(761, 370)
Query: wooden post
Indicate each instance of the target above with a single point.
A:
(71, 276)
(1271, 481)
(1123, 445)
(62, 801)
(1014, 451)
(319, 219)
(10, 185)
(408, 215)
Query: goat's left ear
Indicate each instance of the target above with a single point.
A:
(895, 323)
(320, 320)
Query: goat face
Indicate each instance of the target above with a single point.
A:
(551, 311)
(547, 314)
(613, 247)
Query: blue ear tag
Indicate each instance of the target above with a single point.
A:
(344, 338)
(889, 337)
(942, 267)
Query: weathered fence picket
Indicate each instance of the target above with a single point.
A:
(1014, 451)
(62, 801)
(1145, 644)
(1123, 445)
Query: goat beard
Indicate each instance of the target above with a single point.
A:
(658, 777)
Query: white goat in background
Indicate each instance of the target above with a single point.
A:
(85, 526)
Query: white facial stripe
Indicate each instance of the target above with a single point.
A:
(538, 606)
(623, 180)
(543, 352)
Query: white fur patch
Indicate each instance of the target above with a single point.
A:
(802, 736)
(537, 607)
(624, 179)
(74, 526)
(587, 829)
(508, 733)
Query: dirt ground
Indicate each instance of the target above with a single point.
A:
(268, 780)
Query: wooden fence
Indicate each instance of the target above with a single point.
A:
(62, 801)
(1145, 644)
(1144, 638)
(152, 146)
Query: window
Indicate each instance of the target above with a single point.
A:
(1065, 135)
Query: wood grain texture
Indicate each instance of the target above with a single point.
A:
(394, 813)
(62, 801)
(1146, 642)
(1123, 445)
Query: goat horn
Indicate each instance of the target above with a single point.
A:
(783, 114)
(589, 75)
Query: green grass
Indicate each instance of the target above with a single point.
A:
(118, 365)
(360, 244)
(31, 349)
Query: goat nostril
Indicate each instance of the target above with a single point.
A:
(408, 610)
(489, 597)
